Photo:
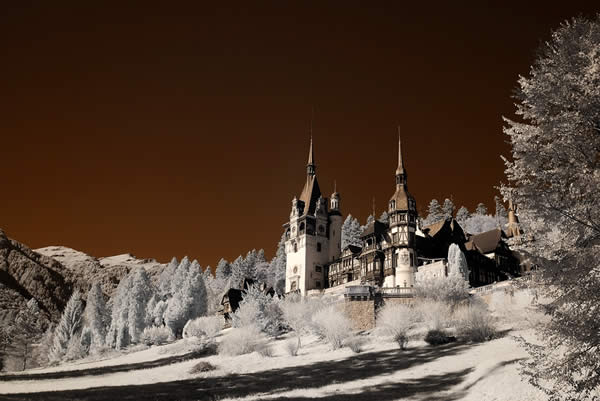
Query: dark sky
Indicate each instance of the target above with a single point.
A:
(175, 130)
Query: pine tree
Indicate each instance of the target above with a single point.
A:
(462, 215)
(181, 273)
(26, 331)
(481, 209)
(555, 176)
(278, 266)
(448, 208)
(189, 302)
(237, 272)
(351, 232)
(68, 327)
(166, 277)
(434, 213)
(97, 316)
(457, 263)
(118, 332)
(223, 270)
(138, 298)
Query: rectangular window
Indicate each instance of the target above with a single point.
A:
(318, 247)
(318, 284)
(318, 269)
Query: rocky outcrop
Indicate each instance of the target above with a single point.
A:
(25, 274)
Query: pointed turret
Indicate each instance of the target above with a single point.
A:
(311, 192)
(400, 172)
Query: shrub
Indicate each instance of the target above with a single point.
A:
(259, 309)
(198, 346)
(333, 325)
(355, 343)
(451, 289)
(264, 349)
(435, 314)
(292, 347)
(208, 325)
(202, 366)
(242, 340)
(396, 320)
(437, 337)
(475, 323)
(297, 312)
(156, 335)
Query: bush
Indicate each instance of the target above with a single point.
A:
(242, 340)
(258, 309)
(264, 349)
(396, 320)
(203, 326)
(292, 347)
(475, 323)
(198, 346)
(451, 289)
(331, 324)
(156, 335)
(438, 337)
(355, 343)
(202, 366)
(435, 314)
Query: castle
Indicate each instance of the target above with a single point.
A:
(394, 254)
(315, 260)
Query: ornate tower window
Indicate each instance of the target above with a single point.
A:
(318, 247)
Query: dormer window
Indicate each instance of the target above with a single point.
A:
(392, 205)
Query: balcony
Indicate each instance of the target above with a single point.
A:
(397, 292)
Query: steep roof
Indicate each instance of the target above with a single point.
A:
(485, 242)
(310, 194)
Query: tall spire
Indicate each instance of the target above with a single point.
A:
(400, 169)
(400, 173)
(310, 167)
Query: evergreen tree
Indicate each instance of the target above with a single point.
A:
(166, 277)
(238, 270)
(351, 231)
(139, 296)
(500, 209)
(181, 273)
(26, 331)
(68, 327)
(118, 333)
(189, 302)
(278, 266)
(481, 209)
(435, 213)
(457, 263)
(223, 270)
(462, 215)
(385, 217)
(97, 316)
(555, 176)
(448, 208)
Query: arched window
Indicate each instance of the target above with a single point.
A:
(321, 229)
(295, 247)
(301, 228)
(293, 286)
(392, 204)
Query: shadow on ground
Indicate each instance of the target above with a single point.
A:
(276, 381)
(102, 370)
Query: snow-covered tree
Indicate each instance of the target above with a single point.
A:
(180, 275)
(258, 308)
(278, 265)
(188, 302)
(139, 296)
(500, 209)
(68, 327)
(481, 209)
(457, 263)
(479, 223)
(435, 213)
(370, 220)
(97, 316)
(448, 208)
(351, 231)
(554, 176)
(223, 271)
(166, 277)
(118, 333)
(26, 331)
(385, 217)
(462, 215)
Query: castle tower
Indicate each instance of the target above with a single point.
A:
(402, 228)
(335, 226)
(309, 235)
(513, 229)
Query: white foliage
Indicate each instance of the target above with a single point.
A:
(351, 231)
(242, 340)
(203, 326)
(332, 324)
(97, 316)
(457, 262)
(68, 327)
(260, 309)
(395, 320)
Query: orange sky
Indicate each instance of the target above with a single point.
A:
(169, 131)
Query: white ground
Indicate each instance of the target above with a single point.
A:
(486, 371)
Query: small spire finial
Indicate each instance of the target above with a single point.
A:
(400, 168)
(373, 208)
(334, 186)
(310, 168)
